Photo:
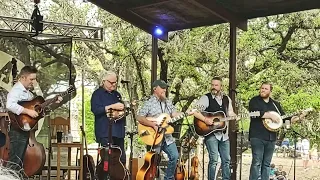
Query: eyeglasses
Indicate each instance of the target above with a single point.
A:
(112, 83)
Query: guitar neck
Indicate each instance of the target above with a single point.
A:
(52, 100)
(288, 115)
(228, 118)
(250, 114)
(172, 120)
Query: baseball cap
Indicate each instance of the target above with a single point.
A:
(160, 83)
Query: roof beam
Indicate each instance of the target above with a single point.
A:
(129, 17)
(221, 12)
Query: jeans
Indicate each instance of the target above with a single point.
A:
(262, 152)
(223, 147)
(116, 141)
(173, 155)
(18, 144)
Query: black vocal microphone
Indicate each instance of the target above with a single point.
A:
(124, 81)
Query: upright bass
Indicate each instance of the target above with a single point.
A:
(5, 122)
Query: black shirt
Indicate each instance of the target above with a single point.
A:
(257, 129)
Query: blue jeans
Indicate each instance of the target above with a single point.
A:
(19, 141)
(214, 146)
(173, 155)
(262, 152)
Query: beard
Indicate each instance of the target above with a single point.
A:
(215, 92)
(264, 95)
(162, 97)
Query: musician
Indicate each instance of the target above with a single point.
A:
(156, 105)
(217, 142)
(107, 97)
(261, 139)
(21, 92)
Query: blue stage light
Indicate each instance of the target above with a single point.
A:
(158, 31)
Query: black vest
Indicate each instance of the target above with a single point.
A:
(214, 106)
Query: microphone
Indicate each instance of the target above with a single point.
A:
(124, 81)
(287, 124)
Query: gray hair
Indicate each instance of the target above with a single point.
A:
(105, 75)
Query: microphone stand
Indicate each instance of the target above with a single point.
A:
(131, 133)
(241, 145)
(295, 134)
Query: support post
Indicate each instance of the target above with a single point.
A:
(154, 60)
(232, 94)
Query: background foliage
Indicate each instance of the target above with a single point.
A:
(286, 54)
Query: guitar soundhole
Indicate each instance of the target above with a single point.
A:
(216, 122)
(37, 108)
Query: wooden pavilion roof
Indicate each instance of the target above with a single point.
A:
(174, 15)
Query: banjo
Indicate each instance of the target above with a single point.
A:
(275, 126)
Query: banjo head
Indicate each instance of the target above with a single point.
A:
(272, 126)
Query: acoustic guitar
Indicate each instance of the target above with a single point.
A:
(27, 123)
(149, 169)
(181, 173)
(148, 134)
(88, 163)
(152, 158)
(194, 175)
(219, 120)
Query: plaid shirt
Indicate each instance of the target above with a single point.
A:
(153, 108)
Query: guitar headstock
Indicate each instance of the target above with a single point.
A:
(82, 130)
(305, 112)
(70, 89)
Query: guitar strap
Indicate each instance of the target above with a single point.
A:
(165, 107)
(33, 93)
(276, 107)
(225, 103)
(280, 134)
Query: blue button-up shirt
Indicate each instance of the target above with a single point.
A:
(99, 100)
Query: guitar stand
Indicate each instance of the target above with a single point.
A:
(50, 154)
(189, 135)
(131, 134)
(241, 145)
(160, 130)
(203, 158)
